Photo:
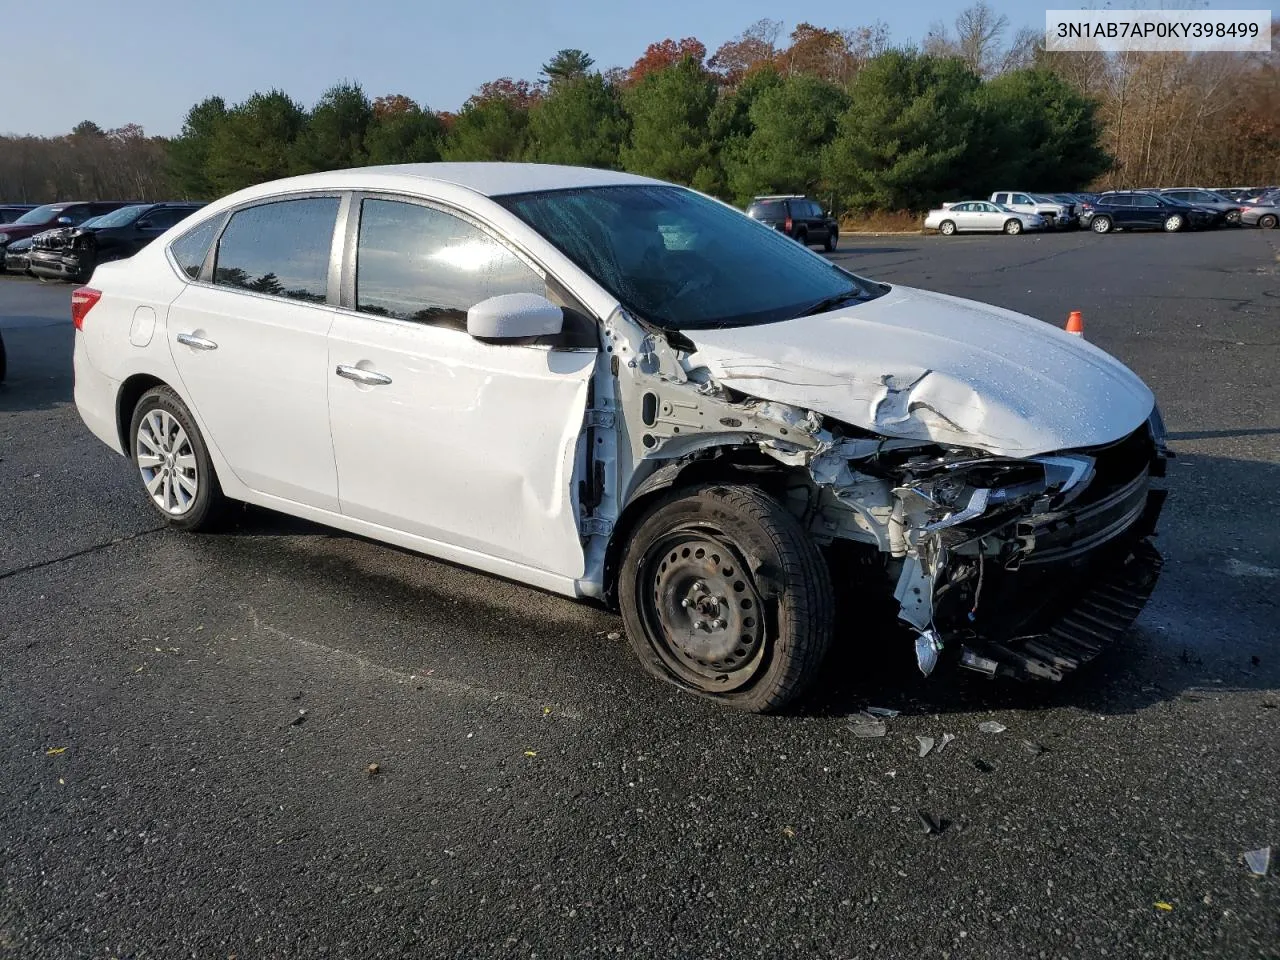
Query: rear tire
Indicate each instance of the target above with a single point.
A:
(947, 228)
(173, 462)
(1174, 222)
(1267, 221)
(725, 595)
(802, 238)
(1013, 227)
(1101, 225)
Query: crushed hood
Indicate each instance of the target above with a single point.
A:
(926, 366)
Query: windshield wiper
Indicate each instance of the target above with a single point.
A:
(830, 303)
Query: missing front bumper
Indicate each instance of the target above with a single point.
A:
(1098, 617)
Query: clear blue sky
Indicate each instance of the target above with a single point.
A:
(86, 60)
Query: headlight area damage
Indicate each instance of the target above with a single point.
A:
(1010, 566)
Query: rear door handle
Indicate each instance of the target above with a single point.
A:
(200, 343)
(371, 378)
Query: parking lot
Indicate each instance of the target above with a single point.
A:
(193, 719)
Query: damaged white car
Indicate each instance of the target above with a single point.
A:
(617, 388)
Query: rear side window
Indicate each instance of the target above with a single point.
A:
(422, 264)
(772, 209)
(1142, 200)
(279, 248)
(189, 250)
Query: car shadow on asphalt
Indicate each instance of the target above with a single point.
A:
(1205, 631)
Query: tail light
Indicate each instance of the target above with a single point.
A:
(82, 301)
(788, 225)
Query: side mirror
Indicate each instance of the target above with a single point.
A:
(144, 225)
(514, 316)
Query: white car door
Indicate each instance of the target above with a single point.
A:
(474, 445)
(251, 348)
(1022, 203)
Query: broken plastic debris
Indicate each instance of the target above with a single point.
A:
(1161, 905)
(946, 738)
(867, 726)
(54, 751)
(300, 719)
(788, 832)
(928, 646)
(1033, 748)
(545, 711)
(933, 826)
(1258, 861)
(992, 726)
(372, 770)
(881, 712)
(531, 753)
(613, 635)
(981, 765)
(926, 744)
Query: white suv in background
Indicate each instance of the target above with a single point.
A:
(1057, 214)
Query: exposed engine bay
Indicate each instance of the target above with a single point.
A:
(1017, 566)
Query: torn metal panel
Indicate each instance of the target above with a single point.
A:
(924, 366)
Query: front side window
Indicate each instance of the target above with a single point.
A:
(727, 270)
(280, 248)
(189, 250)
(1021, 198)
(418, 263)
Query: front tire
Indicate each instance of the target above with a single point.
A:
(947, 228)
(832, 240)
(725, 595)
(1013, 227)
(1101, 225)
(173, 462)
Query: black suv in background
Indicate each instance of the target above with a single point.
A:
(72, 252)
(797, 216)
(1146, 210)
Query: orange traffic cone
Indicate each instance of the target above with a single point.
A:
(1075, 323)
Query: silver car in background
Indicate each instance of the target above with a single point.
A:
(981, 216)
(1264, 212)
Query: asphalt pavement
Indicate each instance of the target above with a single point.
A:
(188, 723)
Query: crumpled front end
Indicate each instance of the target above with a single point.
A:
(1019, 567)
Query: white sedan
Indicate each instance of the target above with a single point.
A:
(612, 387)
(983, 216)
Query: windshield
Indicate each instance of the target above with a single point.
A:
(39, 215)
(683, 261)
(119, 218)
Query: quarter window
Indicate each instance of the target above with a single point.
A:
(189, 249)
(418, 263)
(279, 248)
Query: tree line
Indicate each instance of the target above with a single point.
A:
(839, 114)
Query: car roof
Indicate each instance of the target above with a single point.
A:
(490, 179)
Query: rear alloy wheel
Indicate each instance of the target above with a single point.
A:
(946, 228)
(1173, 223)
(173, 462)
(1013, 227)
(725, 595)
(1267, 221)
(1101, 225)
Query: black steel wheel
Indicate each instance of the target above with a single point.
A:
(725, 595)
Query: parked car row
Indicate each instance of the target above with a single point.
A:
(66, 241)
(1171, 209)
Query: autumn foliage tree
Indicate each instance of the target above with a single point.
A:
(665, 54)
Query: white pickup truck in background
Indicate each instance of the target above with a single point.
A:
(1057, 213)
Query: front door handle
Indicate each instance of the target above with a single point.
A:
(200, 343)
(370, 378)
